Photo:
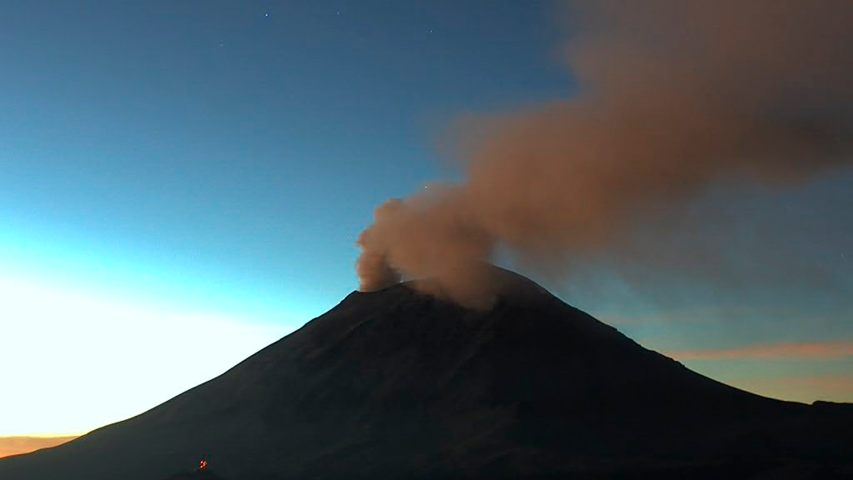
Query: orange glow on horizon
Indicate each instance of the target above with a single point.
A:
(832, 350)
(26, 444)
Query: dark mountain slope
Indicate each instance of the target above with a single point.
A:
(396, 384)
(194, 475)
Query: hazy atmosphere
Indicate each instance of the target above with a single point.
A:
(184, 182)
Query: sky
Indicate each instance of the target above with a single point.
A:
(182, 183)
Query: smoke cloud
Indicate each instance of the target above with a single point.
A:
(674, 97)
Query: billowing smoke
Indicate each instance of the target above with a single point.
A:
(674, 97)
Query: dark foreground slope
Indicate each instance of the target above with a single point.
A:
(396, 384)
(194, 475)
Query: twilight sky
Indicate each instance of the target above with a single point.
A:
(183, 182)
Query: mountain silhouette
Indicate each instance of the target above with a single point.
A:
(195, 475)
(396, 384)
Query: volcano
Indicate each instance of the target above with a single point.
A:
(396, 384)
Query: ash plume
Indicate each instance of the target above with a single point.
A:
(674, 97)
